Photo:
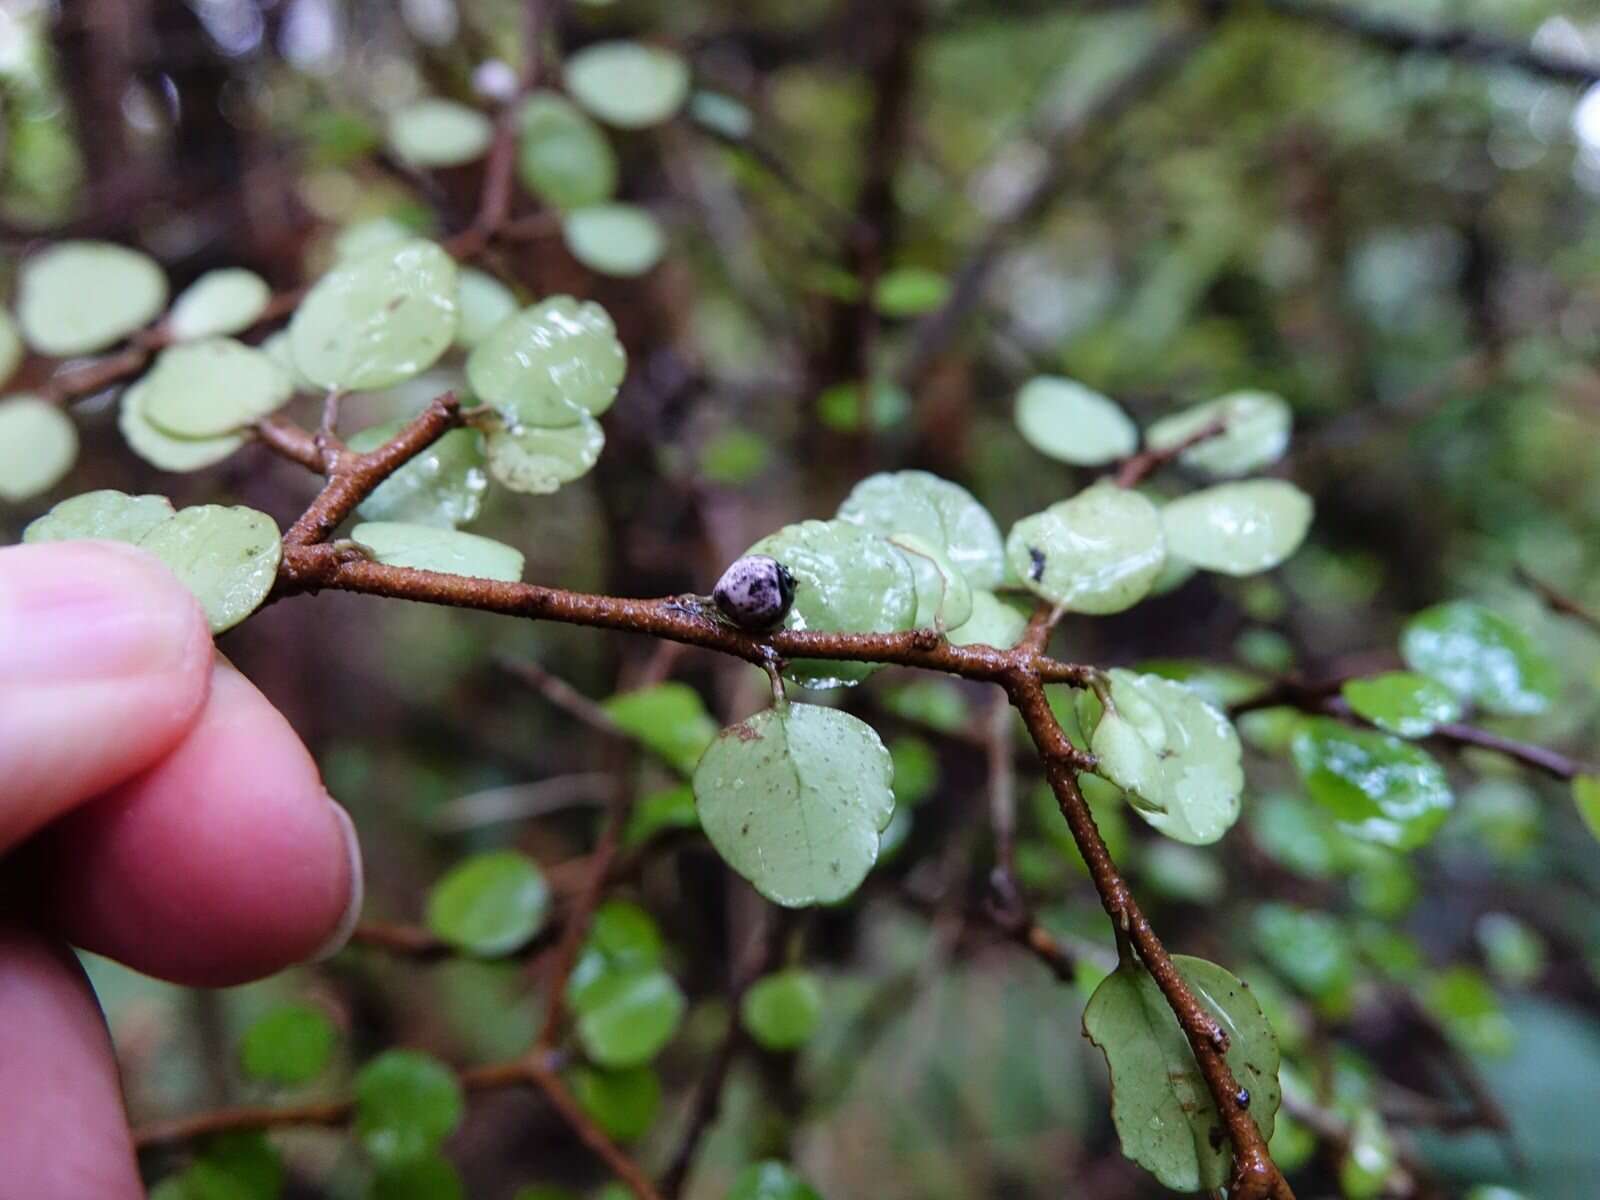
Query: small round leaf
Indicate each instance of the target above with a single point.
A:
(1255, 433)
(1097, 553)
(443, 486)
(628, 84)
(627, 1016)
(438, 133)
(782, 1010)
(491, 904)
(164, 450)
(290, 1044)
(377, 319)
(1063, 420)
(668, 718)
(771, 1180)
(228, 557)
(847, 580)
(909, 291)
(942, 513)
(537, 460)
(212, 387)
(614, 239)
(1238, 528)
(550, 364)
(407, 1103)
(79, 297)
(1402, 702)
(38, 445)
(562, 156)
(1380, 788)
(1482, 657)
(623, 1103)
(108, 515)
(427, 548)
(794, 800)
(218, 303)
(485, 302)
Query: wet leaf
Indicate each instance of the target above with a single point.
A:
(626, 1017)
(107, 514)
(993, 622)
(427, 548)
(1063, 420)
(1402, 702)
(1097, 553)
(1238, 528)
(228, 557)
(1482, 657)
(1165, 1117)
(1255, 433)
(537, 461)
(443, 486)
(1380, 788)
(669, 718)
(550, 364)
(623, 1103)
(794, 799)
(484, 302)
(164, 450)
(944, 598)
(942, 513)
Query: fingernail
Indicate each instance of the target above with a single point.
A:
(340, 937)
(72, 611)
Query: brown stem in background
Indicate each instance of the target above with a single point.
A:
(1558, 601)
(1135, 470)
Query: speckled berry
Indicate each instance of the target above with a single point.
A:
(755, 593)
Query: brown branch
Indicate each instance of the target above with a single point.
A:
(1254, 1176)
(934, 332)
(544, 1077)
(1558, 601)
(1136, 469)
(1451, 42)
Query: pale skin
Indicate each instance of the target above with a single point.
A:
(155, 808)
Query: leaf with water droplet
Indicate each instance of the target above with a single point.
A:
(1064, 420)
(378, 318)
(38, 445)
(1097, 553)
(628, 84)
(550, 364)
(1176, 756)
(1401, 702)
(1482, 657)
(847, 580)
(228, 557)
(107, 514)
(428, 548)
(443, 486)
(1255, 433)
(217, 304)
(994, 622)
(1165, 1117)
(79, 297)
(1380, 788)
(794, 799)
(213, 387)
(942, 513)
(1238, 528)
(536, 460)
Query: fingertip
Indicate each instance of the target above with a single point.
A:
(225, 862)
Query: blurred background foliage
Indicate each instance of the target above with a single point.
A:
(1406, 246)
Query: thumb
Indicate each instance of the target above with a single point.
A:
(104, 663)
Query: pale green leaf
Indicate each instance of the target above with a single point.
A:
(628, 84)
(428, 548)
(944, 597)
(218, 303)
(1255, 433)
(1401, 702)
(38, 445)
(614, 239)
(550, 364)
(1097, 553)
(377, 319)
(490, 904)
(1177, 757)
(1165, 1117)
(228, 557)
(782, 1010)
(562, 156)
(213, 387)
(1380, 788)
(1064, 420)
(848, 580)
(537, 460)
(360, 238)
(1482, 657)
(443, 486)
(1238, 528)
(164, 450)
(794, 800)
(484, 304)
(994, 622)
(79, 297)
(438, 133)
(107, 514)
(942, 513)
(406, 1104)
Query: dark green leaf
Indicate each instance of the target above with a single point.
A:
(407, 1103)
(781, 1011)
(1482, 657)
(1380, 788)
(1402, 702)
(290, 1044)
(669, 718)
